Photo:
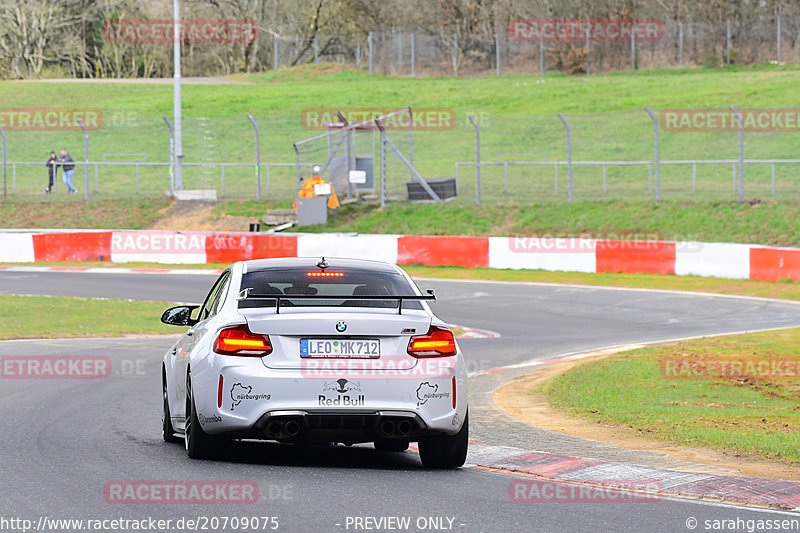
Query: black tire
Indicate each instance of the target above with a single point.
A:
(391, 445)
(166, 423)
(199, 444)
(446, 452)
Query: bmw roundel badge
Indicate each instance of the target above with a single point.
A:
(341, 326)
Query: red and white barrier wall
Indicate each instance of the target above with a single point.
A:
(734, 261)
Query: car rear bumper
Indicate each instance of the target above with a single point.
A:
(251, 401)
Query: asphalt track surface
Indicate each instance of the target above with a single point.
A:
(62, 441)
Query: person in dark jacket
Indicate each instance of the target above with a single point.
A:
(52, 169)
(68, 168)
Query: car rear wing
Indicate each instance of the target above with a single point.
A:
(246, 295)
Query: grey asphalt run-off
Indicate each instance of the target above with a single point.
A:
(61, 441)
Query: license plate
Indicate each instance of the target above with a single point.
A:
(341, 348)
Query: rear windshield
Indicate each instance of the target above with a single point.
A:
(344, 282)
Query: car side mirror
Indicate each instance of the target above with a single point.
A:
(180, 315)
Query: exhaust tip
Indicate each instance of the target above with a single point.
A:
(387, 427)
(275, 428)
(404, 427)
(292, 428)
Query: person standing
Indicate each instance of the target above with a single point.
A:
(69, 169)
(52, 169)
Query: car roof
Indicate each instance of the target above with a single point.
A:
(256, 265)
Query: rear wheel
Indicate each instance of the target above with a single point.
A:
(391, 445)
(445, 452)
(199, 444)
(166, 422)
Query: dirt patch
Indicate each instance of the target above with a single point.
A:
(197, 216)
(520, 399)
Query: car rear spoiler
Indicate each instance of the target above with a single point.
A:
(246, 295)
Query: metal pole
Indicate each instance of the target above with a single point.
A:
(778, 34)
(569, 156)
(383, 170)
(728, 43)
(455, 54)
(541, 57)
(171, 156)
(274, 52)
(633, 51)
(657, 152)
(694, 177)
(680, 41)
(369, 42)
(96, 177)
(85, 159)
(5, 185)
(741, 152)
(258, 156)
(413, 53)
(477, 158)
(497, 51)
(176, 90)
(773, 179)
(269, 171)
(588, 62)
(316, 49)
(605, 187)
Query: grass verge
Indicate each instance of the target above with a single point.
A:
(27, 317)
(754, 411)
(757, 222)
(121, 213)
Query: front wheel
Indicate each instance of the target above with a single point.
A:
(199, 444)
(449, 451)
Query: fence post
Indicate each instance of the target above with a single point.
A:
(728, 42)
(680, 41)
(358, 55)
(258, 157)
(275, 52)
(316, 49)
(477, 158)
(171, 156)
(588, 62)
(741, 152)
(541, 56)
(569, 156)
(413, 53)
(778, 31)
(5, 185)
(369, 43)
(400, 48)
(383, 170)
(85, 160)
(633, 51)
(657, 152)
(497, 51)
(455, 55)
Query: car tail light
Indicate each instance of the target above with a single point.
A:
(439, 342)
(238, 340)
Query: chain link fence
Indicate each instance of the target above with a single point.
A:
(756, 38)
(609, 155)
